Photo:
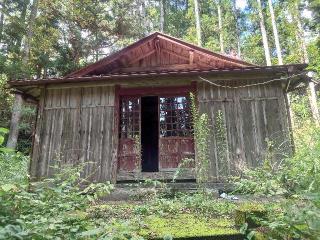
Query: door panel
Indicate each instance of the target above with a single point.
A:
(129, 130)
(176, 134)
(173, 150)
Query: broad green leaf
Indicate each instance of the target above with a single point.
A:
(6, 150)
(92, 232)
(8, 187)
(4, 130)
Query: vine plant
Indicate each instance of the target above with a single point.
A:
(201, 137)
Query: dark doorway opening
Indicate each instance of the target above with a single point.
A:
(150, 134)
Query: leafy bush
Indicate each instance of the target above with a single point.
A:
(54, 208)
(295, 219)
(303, 169)
(299, 177)
(297, 174)
(13, 166)
(261, 181)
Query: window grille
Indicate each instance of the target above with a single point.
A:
(175, 117)
(129, 117)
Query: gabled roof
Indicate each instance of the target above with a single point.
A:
(159, 52)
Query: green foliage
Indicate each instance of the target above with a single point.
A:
(13, 166)
(296, 218)
(54, 208)
(192, 226)
(220, 132)
(162, 216)
(67, 35)
(261, 181)
(5, 102)
(201, 136)
(298, 179)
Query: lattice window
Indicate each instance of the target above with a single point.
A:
(129, 117)
(175, 117)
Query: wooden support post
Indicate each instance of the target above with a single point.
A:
(191, 56)
(313, 103)
(158, 51)
(288, 101)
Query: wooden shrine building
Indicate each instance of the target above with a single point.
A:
(129, 115)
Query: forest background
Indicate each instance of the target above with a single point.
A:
(48, 38)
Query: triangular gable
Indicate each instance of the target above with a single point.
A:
(159, 52)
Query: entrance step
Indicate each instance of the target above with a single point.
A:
(138, 191)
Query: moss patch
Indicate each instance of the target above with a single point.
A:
(186, 225)
(248, 212)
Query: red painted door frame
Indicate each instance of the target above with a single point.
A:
(148, 91)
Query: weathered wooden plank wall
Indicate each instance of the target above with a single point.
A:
(243, 121)
(75, 125)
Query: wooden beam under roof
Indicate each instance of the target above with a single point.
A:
(191, 55)
(157, 68)
(183, 57)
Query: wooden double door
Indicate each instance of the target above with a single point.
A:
(155, 132)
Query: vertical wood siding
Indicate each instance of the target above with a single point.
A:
(243, 122)
(75, 125)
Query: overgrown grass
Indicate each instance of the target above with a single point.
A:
(55, 208)
(62, 208)
(13, 166)
(298, 179)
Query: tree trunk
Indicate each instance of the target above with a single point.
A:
(14, 124)
(161, 15)
(198, 24)
(279, 55)
(2, 18)
(275, 33)
(264, 34)
(22, 21)
(17, 105)
(313, 102)
(312, 91)
(304, 55)
(33, 14)
(236, 16)
(220, 26)
(143, 17)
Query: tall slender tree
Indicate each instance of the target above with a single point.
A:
(143, 17)
(33, 14)
(279, 53)
(218, 3)
(2, 12)
(264, 33)
(198, 21)
(236, 16)
(275, 33)
(161, 15)
(305, 59)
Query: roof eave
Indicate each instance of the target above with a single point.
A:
(284, 69)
